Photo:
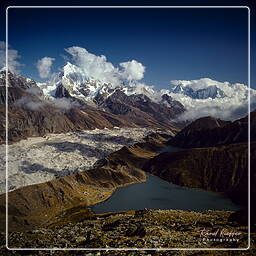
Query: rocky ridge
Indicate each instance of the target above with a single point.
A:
(208, 131)
(28, 115)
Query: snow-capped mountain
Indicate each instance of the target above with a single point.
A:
(33, 113)
(131, 99)
(211, 91)
(205, 88)
(208, 97)
(16, 80)
(202, 97)
(73, 81)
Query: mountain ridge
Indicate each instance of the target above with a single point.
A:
(31, 113)
(215, 132)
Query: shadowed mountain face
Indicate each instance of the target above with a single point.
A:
(127, 99)
(15, 81)
(140, 108)
(28, 115)
(217, 160)
(222, 169)
(208, 131)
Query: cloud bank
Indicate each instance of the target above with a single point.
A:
(13, 56)
(44, 66)
(234, 105)
(92, 66)
(63, 104)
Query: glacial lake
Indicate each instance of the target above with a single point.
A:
(156, 193)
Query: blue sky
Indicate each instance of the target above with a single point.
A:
(172, 43)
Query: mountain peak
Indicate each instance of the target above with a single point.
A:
(205, 123)
(205, 92)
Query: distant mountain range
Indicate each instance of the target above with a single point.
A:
(72, 82)
(187, 99)
(82, 102)
(34, 112)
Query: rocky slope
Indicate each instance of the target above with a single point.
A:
(140, 108)
(135, 229)
(222, 169)
(25, 123)
(34, 205)
(28, 115)
(65, 200)
(134, 107)
(16, 81)
(74, 82)
(208, 131)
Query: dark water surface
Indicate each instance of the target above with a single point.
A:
(156, 193)
(159, 194)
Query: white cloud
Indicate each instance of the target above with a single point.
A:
(28, 103)
(132, 70)
(93, 66)
(13, 56)
(64, 103)
(234, 105)
(98, 68)
(44, 66)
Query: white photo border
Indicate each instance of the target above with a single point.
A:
(132, 249)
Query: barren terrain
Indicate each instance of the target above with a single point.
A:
(40, 159)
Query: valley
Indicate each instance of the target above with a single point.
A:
(39, 159)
